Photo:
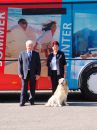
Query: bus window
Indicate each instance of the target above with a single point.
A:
(84, 48)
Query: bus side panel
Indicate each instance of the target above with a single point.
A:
(84, 37)
(9, 79)
(3, 28)
(66, 40)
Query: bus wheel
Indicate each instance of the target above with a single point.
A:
(89, 84)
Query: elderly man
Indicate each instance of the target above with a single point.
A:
(29, 67)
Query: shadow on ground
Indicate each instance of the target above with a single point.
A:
(9, 97)
(74, 98)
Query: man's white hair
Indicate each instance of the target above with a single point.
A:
(30, 42)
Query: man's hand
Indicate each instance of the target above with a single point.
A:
(20, 75)
(37, 77)
(49, 77)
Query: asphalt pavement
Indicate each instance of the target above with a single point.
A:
(79, 115)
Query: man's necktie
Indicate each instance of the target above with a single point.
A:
(29, 56)
(29, 59)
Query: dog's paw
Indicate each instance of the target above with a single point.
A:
(47, 105)
(59, 105)
(66, 104)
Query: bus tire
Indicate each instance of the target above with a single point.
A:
(89, 84)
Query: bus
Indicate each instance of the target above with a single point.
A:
(76, 31)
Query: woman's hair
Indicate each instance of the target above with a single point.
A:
(47, 26)
(55, 43)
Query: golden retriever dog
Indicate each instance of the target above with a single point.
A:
(59, 98)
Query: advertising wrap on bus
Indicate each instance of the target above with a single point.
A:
(76, 31)
(3, 25)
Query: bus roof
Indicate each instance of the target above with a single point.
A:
(28, 1)
(43, 1)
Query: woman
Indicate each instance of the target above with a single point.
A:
(56, 65)
(44, 41)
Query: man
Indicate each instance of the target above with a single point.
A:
(29, 70)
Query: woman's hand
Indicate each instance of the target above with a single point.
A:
(64, 74)
(37, 77)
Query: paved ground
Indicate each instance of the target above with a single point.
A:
(79, 115)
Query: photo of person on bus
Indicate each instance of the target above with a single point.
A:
(45, 40)
(21, 33)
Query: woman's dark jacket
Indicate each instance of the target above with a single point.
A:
(60, 62)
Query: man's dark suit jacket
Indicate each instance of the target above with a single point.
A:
(60, 61)
(23, 64)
